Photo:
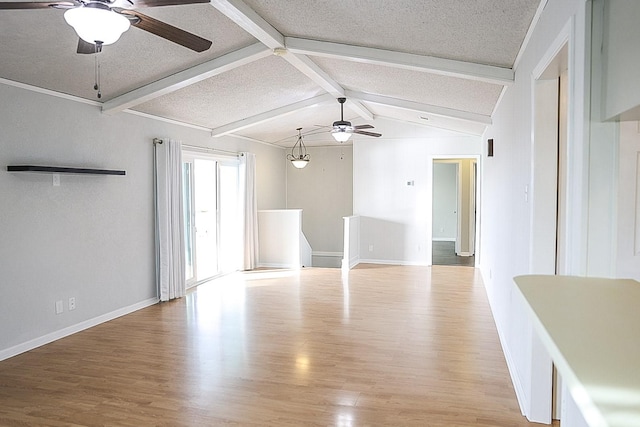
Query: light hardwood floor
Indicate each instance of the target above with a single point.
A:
(389, 345)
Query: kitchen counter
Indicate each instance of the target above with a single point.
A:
(591, 329)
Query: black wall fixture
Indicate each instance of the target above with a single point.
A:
(490, 147)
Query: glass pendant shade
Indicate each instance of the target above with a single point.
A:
(341, 135)
(97, 23)
(300, 163)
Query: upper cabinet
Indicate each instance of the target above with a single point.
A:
(621, 60)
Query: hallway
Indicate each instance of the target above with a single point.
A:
(444, 254)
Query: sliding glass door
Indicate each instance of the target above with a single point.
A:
(211, 216)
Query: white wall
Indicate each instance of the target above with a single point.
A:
(396, 217)
(445, 201)
(92, 237)
(508, 209)
(324, 192)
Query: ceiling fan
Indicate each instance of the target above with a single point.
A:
(101, 22)
(343, 129)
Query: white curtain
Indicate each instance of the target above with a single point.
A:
(250, 210)
(169, 221)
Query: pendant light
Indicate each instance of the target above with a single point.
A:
(298, 156)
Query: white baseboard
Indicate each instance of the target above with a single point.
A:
(465, 254)
(393, 262)
(326, 254)
(349, 264)
(70, 330)
(443, 239)
(279, 265)
(521, 396)
(515, 379)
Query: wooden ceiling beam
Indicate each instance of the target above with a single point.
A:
(186, 78)
(429, 64)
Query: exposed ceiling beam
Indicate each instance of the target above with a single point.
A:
(270, 115)
(247, 19)
(187, 77)
(407, 61)
(421, 108)
(309, 68)
(254, 24)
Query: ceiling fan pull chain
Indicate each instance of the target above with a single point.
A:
(96, 86)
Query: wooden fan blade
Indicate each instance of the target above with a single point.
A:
(362, 132)
(37, 5)
(134, 4)
(166, 31)
(87, 48)
(363, 127)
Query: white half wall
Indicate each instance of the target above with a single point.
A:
(281, 239)
(351, 242)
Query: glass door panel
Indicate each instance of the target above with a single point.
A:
(229, 215)
(213, 242)
(206, 218)
(189, 228)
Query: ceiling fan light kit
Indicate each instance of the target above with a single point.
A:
(96, 22)
(298, 156)
(343, 129)
(340, 135)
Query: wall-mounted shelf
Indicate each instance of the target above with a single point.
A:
(56, 169)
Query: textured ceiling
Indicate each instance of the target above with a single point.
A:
(443, 60)
(432, 89)
(481, 31)
(264, 84)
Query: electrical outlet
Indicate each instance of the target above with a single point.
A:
(59, 307)
(72, 303)
(56, 180)
(370, 248)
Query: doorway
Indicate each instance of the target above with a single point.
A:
(548, 252)
(210, 203)
(454, 212)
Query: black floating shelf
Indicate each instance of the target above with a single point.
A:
(56, 169)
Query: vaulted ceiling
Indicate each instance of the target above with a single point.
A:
(276, 65)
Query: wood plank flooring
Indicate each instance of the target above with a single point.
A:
(385, 346)
(444, 253)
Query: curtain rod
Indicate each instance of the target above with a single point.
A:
(233, 153)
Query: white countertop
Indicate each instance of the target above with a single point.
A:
(591, 328)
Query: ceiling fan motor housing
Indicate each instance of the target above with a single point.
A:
(341, 124)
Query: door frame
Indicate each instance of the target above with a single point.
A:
(549, 233)
(475, 185)
(189, 155)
